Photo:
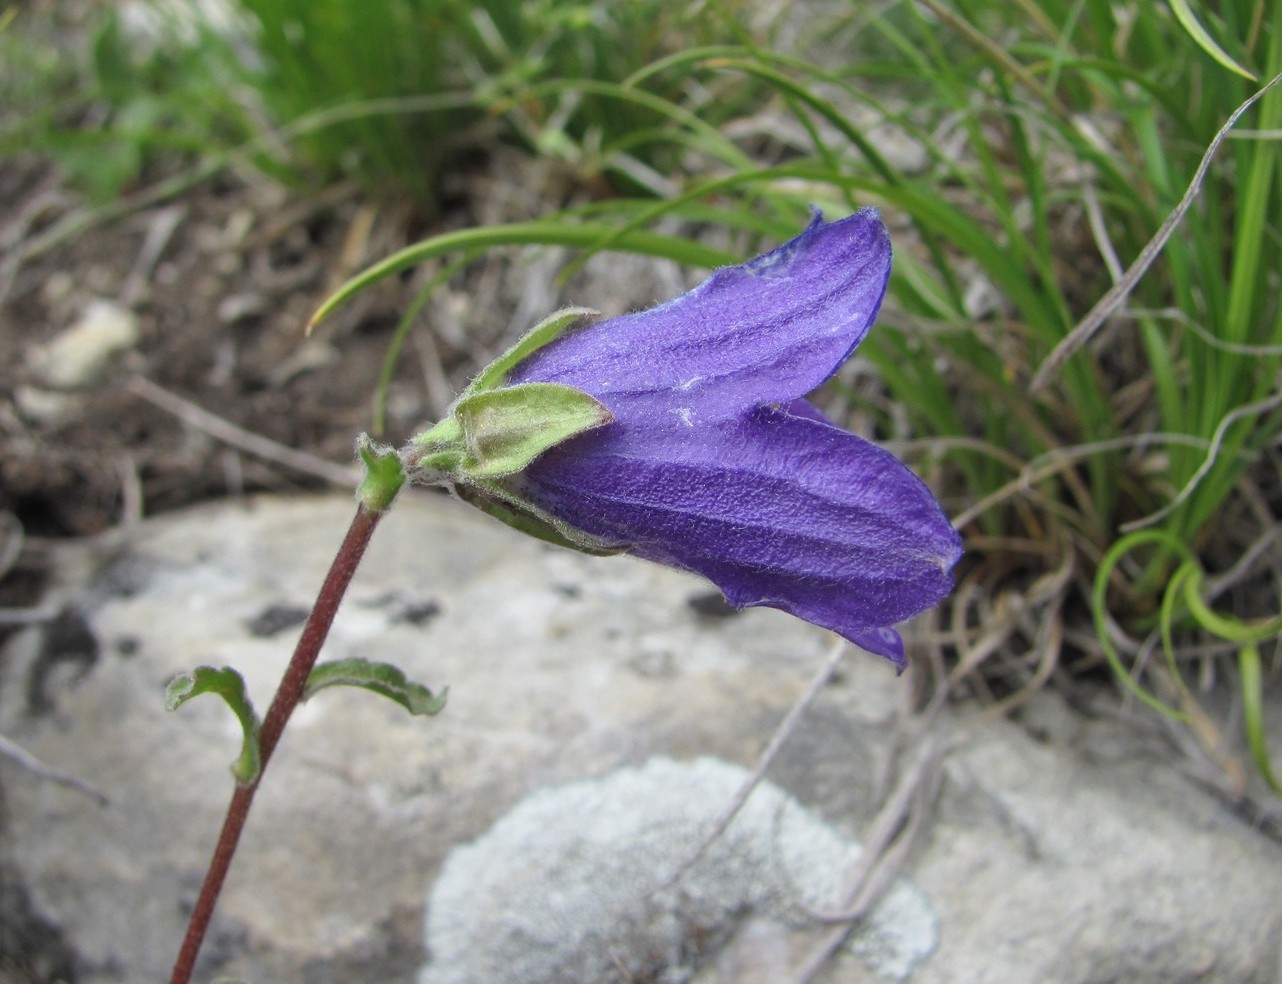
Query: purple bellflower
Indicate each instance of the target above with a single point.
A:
(688, 441)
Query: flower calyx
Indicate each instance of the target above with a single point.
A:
(494, 431)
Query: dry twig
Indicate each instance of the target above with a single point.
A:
(893, 835)
(15, 752)
(782, 733)
(238, 437)
(1118, 293)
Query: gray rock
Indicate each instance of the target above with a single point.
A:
(1097, 862)
(1081, 858)
(559, 666)
(603, 863)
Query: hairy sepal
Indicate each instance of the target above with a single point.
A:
(506, 429)
(544, 333)
(496, 500)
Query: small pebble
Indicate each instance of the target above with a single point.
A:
(78, 356)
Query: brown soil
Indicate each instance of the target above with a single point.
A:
(222, 282)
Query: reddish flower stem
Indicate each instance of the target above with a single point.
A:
(287, 697)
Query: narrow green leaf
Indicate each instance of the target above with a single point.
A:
(1099, 608)
(508, 428)
(1230, 629)
(381, 678)
(546, 331)
(230, 686)
(384, 474)
(539, 233)
(1193, 27)
(1253, 714)
(448, 432)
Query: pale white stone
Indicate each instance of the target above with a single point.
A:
(79, 354)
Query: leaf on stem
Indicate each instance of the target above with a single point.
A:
(230, 686)
(381, 678)
(384, 474)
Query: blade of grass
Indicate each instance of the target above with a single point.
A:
(538, 233)
(1113, 299)
(1253, 714)
(1190, 23)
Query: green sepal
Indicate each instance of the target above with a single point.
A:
(381, 678)
(506, 429)
(449, 431)
(544, 333)
(230, 686)
(507, 507)
(384, 474)
(494, 431)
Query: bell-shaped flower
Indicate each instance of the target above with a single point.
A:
(681, 434)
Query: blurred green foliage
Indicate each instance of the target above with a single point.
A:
(313, 55)
(317, 90)
(113, 106)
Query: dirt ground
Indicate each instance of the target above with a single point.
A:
(220, 283)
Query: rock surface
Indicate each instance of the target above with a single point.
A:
(1079, 855)
(79, 354)
(605, 859)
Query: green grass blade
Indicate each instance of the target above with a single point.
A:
(1184, 14)
(539, 233)
(1253, 714)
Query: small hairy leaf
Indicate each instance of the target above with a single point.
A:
(443, 434)
(230, 686)
(381, 678)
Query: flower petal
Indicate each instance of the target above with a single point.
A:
(766, 332)
(883, 642)
(776, 509)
